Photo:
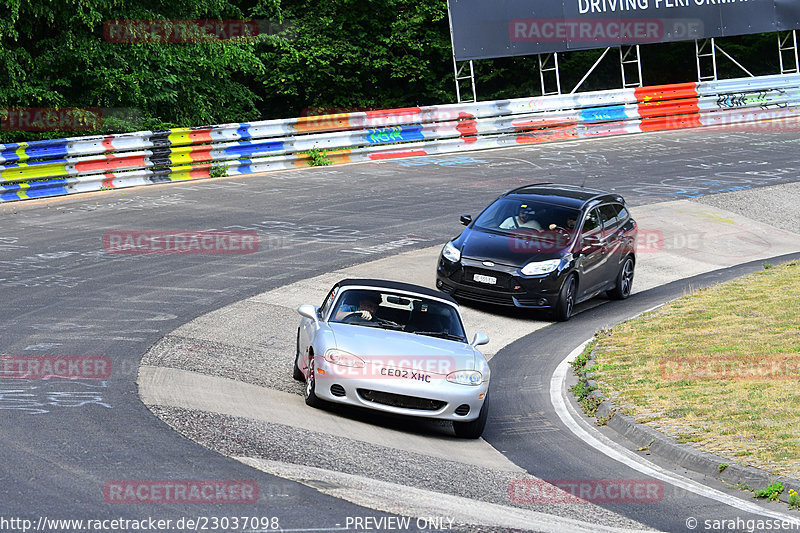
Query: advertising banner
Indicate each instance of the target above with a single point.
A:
(501, 28)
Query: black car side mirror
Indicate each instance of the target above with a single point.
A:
(466, 219)
(592, 241)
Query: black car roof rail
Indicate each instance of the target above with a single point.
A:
(530, 185)
(599, 196)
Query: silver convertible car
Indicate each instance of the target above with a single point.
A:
(393, 347)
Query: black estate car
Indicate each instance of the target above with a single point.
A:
(543, 246)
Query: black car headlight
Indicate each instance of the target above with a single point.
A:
(451, 253)
(538, 268)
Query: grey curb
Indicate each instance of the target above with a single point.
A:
(684, 455)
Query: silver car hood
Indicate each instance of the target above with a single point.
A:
(404, 349)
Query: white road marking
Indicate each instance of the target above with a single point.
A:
(404, 500)
(573, 421)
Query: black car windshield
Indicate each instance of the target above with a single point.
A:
(389, 310)
(539, 219)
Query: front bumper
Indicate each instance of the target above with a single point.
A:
(408, 396)
(511, 289)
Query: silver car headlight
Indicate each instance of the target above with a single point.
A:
(541, 267)
(451, 253)
(342, 358)
(465, 377)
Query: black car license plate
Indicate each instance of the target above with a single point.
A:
(489, 280)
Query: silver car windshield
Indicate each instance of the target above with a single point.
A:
(413, 314)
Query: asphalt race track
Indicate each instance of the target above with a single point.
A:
(538, 443)
(63, 441)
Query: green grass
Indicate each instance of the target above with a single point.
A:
(718, 369)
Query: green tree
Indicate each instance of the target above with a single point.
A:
(359, 53)
(56, 55)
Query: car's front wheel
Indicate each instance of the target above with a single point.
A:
(474, 428)
(624, 281)
(566, 299)
(311, 383)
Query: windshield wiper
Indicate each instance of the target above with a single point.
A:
(441, 335)
(379, 323)
(391, 324)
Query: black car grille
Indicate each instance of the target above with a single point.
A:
(462, 410)
(497, 298)
(337, 390)
(399, 400)
(504, 280)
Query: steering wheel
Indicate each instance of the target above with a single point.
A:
(562, 228)
(355, 316)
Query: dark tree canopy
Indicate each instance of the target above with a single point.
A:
(318, 55)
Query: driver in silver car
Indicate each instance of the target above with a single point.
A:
(367, 307)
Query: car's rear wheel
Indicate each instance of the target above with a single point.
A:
(296, 373)
(311, 384)
(474, 428)
(566, 299)
(624, 281)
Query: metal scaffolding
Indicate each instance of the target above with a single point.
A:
(787, 42)
(628, 57)
(630, 62)
(546, 66)
(462, 77)
(706, 54)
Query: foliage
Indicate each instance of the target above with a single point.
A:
(773, 492)
(318, 158)
(582, 390)
(219, 170)
(55, 55)
(583, 357)
(358, 53)
(794, 500)
(352, 54)
(716, 368)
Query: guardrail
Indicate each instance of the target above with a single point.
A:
(81, 164)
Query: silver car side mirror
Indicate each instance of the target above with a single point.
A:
(308, 311)
(479, 339)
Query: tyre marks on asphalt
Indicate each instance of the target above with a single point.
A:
(39, 397)
(272, 314)
(429, 195)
